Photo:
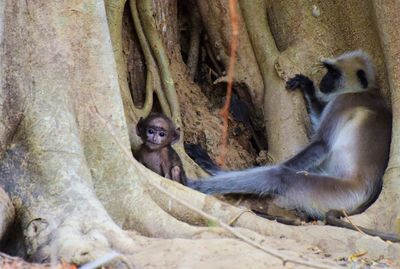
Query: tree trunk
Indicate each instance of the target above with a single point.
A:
(61, 160)
(68, 114)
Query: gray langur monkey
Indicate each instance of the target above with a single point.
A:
(342, 166)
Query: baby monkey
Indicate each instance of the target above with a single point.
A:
(158, 133)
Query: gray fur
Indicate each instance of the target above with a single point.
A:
(245, 181)
(342, 166)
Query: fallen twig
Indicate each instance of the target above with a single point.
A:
(349, 220)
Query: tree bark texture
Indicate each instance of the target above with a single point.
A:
(68, 117)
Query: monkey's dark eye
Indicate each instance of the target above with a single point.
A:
(150, 131)
(162, 134)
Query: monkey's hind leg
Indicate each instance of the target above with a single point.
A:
(333, 218)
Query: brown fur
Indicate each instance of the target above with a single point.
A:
(156, 152)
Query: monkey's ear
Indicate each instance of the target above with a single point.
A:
(140, 127)
(177, 135)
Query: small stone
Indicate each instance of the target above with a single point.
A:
(315, 11)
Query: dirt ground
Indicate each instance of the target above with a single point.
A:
(215, 253)
(231, 253)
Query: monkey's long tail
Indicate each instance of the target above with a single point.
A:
(250, 181)
(201, 157)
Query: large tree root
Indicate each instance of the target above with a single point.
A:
(7, 261)
(69, 171)
(65, 222)
(194, 46)
(62, 168)
(325, 237)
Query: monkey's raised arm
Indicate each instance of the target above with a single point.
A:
(306, 85)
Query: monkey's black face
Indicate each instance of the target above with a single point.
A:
(331, 79)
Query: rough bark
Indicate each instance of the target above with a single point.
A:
(65, 142)
(59, 182)
(305, 32)
(279, 106)
(201, 123)
(7, 261)
(216, 21)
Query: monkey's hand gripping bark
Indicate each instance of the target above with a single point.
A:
(302, 82)
(314, 105)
